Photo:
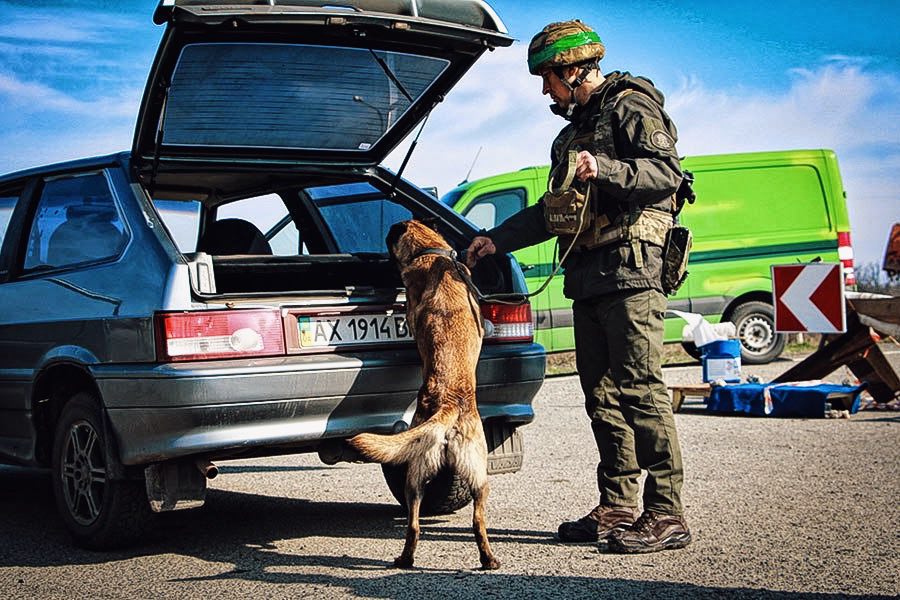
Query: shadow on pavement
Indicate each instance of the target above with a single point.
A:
(243, 530)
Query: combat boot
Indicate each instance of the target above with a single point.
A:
(596, 525)
(650, 533)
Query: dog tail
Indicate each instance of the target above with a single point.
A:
(426, 440)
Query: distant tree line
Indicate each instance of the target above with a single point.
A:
(871, 278)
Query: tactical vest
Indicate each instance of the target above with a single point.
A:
(564, 205)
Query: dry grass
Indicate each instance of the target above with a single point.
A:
(563, 363)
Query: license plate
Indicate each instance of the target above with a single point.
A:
(352, 330)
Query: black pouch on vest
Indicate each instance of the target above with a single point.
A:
(675, 258)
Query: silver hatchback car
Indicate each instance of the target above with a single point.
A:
(223, 290)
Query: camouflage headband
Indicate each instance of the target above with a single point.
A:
(563, 44)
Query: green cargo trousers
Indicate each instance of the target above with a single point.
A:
(618, 353)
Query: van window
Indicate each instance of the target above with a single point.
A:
(76, 222)
(490, 210)
(777, 199)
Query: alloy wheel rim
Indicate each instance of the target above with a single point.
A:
(83, 473)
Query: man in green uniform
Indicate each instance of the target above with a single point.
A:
(613, 209)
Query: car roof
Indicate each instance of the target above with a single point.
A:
(79, 164)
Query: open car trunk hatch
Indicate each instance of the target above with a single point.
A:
(276, 84)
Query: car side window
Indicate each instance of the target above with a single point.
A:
(490, 210)
(182, 220)
(8, 200)
(358, 216)
(262, 222)
(76, 221)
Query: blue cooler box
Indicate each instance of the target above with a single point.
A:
(721, 361)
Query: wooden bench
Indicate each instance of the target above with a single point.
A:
(694, 390)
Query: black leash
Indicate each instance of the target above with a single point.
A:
(464, 275)
(463, 272)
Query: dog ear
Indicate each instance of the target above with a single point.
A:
(430, 222)
(394, 234)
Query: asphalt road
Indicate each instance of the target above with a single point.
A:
(789, 508)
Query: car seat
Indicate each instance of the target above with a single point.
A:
(233, 236)
(86, 235)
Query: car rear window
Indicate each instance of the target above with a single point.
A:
(291, 95)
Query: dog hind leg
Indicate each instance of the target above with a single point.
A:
(470, 460)
(413, 502)
(488, 560)
(415, 487)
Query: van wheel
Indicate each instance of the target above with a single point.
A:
(691, 349)
(443, 495)
(755, 325)
(98, 511)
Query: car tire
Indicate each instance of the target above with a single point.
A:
(691, 349)
(444, 494)
(100, 513)
(755, 325)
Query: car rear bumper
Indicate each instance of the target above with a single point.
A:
(222, 408)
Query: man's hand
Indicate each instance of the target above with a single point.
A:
(586, 166)
(480, 246)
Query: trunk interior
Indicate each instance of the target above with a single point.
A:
(259, 234)
(286, 274)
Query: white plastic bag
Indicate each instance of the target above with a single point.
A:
(701, 331)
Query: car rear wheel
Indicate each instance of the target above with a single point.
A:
(99, 511)
(444, 494)
(755, 325)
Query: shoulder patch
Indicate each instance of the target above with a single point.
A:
(662, 140)
(656, 134)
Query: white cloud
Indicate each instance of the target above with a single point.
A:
(45, 51)
(64, 28)
(825, 107)
(498, 107)
(23, 149)
(840, 104)
(30, 97)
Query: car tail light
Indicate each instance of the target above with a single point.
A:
(507, 323)
(845, 253)
(208, 334)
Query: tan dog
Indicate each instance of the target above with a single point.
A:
(446, 431)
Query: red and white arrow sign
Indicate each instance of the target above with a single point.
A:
(808, 298)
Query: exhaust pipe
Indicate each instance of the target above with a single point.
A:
(209, 470)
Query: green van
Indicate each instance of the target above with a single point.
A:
(752, 211)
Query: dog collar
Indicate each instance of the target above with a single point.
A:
(451, 254)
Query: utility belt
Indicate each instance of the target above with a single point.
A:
(649, 225)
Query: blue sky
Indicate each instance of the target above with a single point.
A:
(737, 77)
